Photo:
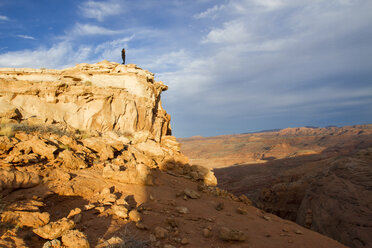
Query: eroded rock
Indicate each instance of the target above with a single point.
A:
(75, 239)
(54, 230)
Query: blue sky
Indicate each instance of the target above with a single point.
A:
(232, 66)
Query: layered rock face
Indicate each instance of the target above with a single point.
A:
(104, 96)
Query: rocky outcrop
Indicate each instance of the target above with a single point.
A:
(104, 96)
(328, 192)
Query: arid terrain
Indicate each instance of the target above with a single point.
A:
(87, 160)
(320, 178)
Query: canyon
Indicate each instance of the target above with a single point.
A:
(319, 178)
(87, 159)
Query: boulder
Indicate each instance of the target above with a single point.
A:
(75, 239)
(135, 216)
(150, 148)
(54, 230)
(99, 146)
(38, 146)
(71, 160)
(24, 218)
(12, 179)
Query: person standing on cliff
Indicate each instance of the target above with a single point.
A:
(123, 55)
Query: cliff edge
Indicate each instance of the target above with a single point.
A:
(87, 160)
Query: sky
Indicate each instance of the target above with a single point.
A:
(232, 66)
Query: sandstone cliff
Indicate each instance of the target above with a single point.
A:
(104, 96)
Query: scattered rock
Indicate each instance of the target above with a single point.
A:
(55, 243)
(169, 246)
(23, 218)
(184, 241)
(74, 212)
(75, 239)
(89, 206)
(141, 226)
(112, 242)
(152, 238)
(228, 234)
(191, 193)
(242, 210)
(120, 211)
(182, 210)
(206, 233)
(71, 160)
(160, 233)
(210, 179)
(135, 216)
(220, 206)
(54, 230)
(265, 217)
(17, 179)
(297, 231)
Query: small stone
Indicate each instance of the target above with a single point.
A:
(172, 222)
(298, 232)
(89, 207)
(152, 238)
(182, 210)
(77, 218)
(169, 246)
(120, 211)
(160, 232)
(191, 193)
(266, 217)
(100, 209)
(242, 210)
(245, 199)
(220, 206)
(141, 226)
(184, 241)
(135, 216)
(206, 233)
(74, 212)
(55, 243)
(228, 234)
(121, 202)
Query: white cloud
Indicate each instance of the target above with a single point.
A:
(60, 55)
(4, 18)
(211, 12)
(101, 9)
(88, 29)
(269, 4)
(27, 37)
(231, 32)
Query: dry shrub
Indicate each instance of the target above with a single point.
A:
(6, 130)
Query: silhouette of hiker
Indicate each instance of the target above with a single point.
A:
(123, 55)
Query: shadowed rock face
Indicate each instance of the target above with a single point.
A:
(104, 96)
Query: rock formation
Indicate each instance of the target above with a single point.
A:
(103, 97)
(87, 160)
